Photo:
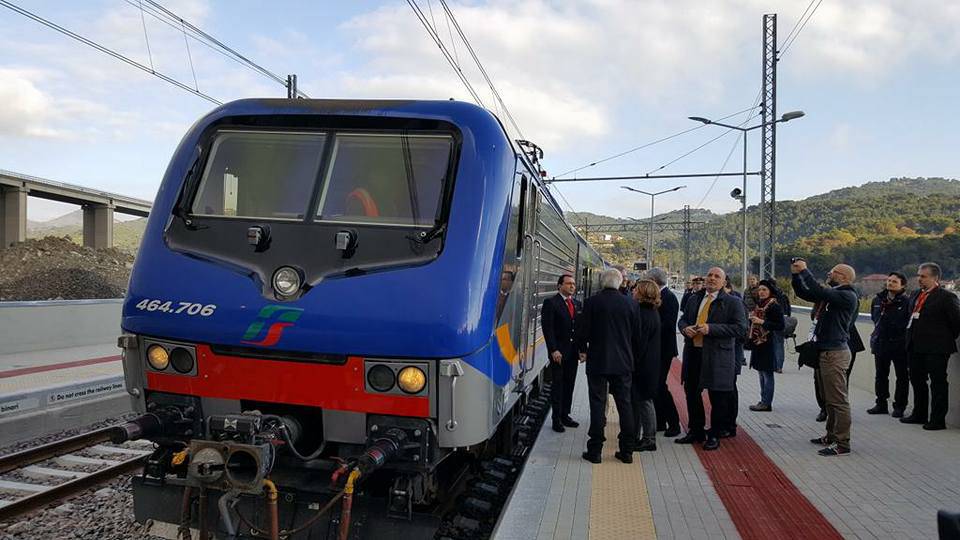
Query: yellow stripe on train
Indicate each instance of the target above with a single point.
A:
(506, 344)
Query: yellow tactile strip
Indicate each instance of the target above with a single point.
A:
(619, 506)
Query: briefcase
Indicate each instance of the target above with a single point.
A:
(809, 355)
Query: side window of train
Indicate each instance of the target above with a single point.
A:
(513, 246)
(518, 205)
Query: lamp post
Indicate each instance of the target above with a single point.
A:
(743, 191)
(650, 230)
(741, 196)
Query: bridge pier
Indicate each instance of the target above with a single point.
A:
(13, 215)
(98, 225)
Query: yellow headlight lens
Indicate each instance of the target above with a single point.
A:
(157, 357)
(411, 379)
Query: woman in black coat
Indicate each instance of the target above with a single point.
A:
(646, 364)
(766, 326)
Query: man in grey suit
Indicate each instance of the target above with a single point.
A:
(711, 323)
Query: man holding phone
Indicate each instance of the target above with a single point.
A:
(834, 311)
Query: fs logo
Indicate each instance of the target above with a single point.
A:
(283, 317)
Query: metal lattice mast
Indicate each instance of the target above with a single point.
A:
(768, 164)
(686, 240)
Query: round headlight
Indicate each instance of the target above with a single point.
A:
(381, 378)
(286, 281)
(411, 379)
(181, 359)
(157, 357)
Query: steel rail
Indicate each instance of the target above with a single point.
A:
(35, 455)
(58, 492)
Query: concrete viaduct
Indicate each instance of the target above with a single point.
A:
(98, 207)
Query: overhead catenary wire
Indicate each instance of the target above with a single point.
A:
(483, 71)
(446, 53)
(159, 16)
(106, 50)
(146, 37)
(216, 42)
(786, 45)
(651, 143)
(722, 169)
(797, 24)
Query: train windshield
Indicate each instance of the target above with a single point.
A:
(266, 175)
(375, 178)
(395, 179)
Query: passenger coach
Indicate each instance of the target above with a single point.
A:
(335, 292)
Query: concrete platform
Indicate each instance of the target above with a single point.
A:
(891, 486)
(47, 391)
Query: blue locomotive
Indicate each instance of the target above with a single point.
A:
(334, 290)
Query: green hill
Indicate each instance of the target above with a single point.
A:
(877, 227)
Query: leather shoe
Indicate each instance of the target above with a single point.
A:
(760, 407)
(646, 445)
(626, 457)
(897, 412)
(672, 431)
(913, 420)
(558, 427)
(934, 426)
(726, 434)
(690, 438)
(570, 422)
(712, 443)
(822, 417)
(592, 458)
(879, 408)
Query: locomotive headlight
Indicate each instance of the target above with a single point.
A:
(411, 379)
(157, 357)
(381, 378)
(286, 281)
(181, 359)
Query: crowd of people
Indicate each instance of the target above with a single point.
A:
(626, 336)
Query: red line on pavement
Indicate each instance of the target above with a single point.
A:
(759, 497)
(54, 367)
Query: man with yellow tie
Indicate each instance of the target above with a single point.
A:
(711, 323)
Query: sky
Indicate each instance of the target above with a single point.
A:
(585, 80)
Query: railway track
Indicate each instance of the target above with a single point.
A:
(35, 477)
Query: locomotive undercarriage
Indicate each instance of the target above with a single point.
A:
(237, 456)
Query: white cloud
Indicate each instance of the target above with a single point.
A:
(874, 37)
(28, 111)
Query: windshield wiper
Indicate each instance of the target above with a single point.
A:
(424, 237)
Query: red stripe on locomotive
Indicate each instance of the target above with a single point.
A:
(335, 387)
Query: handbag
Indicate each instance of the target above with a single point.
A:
(809, 355)
(789, 326)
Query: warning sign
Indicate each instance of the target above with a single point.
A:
(82, 392)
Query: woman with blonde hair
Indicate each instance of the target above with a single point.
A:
(646, 363)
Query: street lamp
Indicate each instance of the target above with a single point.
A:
(650, 230)
(741, 196)
(792, 115)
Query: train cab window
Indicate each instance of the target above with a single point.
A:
(383, 178)
(267, 175)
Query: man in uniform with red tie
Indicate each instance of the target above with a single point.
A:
(931, 338)
(711, 323)
(557, 318)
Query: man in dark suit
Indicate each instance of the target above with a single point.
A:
(607, 336)
(667, 418)
(557, 318)
(711, 324)
(696, 285)
(931, 339)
